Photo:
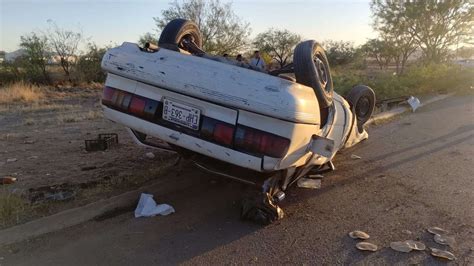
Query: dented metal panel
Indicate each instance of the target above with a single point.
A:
(215, 82)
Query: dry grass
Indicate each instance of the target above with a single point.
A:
(12, 207)
(78, 117)
(21, 92)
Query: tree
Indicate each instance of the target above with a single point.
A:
(36, 56)
(279, 44)
(147, 37)
(222, 30)
(340, 52)
(380, 50)
(435, 26)
(65, 44)
(88, 65)
(392, 27)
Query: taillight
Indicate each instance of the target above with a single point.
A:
(107, 95)
(223, 133)
(217, 131)
(260, 142)
(137, 105)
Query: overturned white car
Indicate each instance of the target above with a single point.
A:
(230, 119)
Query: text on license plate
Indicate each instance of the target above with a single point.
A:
(181, 114)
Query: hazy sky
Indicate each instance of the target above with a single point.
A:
(113, 22)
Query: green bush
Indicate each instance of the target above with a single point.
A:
(88, 67)
(418, 79)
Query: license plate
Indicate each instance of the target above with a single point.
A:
(181, 114)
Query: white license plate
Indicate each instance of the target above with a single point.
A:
(181, 114)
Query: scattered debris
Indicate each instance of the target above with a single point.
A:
(11, 160)
(355, 157)
(147, 207)
(33, 157)
(359, 235)
(401, 246)
(7, 180)
(366, 246)
(309, 183)
(103, 142)
(61, 196)
(261, 209)
(416, 245)
(408, 232)
(442, 254)
(150, 155)
(28, 142)
(414, 103)
(436, 230)
(444, 240)
(316, 176)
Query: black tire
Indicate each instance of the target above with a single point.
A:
(176, 31)
(362, 101)
(312, 69)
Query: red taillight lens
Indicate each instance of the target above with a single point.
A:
(260, 142)
(107, 95)
(137, 105)
(223, 133)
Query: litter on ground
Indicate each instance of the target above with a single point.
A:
(7, 180)
(309, 183)
(407, 246)
(366, 246)
(444, 240)
(414, 103)
(147, 207)
(436, 230)
(359, 235)
(355, 157)
(150, 155)
(444, 254)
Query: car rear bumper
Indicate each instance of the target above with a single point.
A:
(186, 141)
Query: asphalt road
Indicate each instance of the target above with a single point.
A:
(415, 172)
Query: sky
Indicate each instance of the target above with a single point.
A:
(111, 22)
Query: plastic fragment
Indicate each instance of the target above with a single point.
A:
(150, 155)
(359, 235)
(147, 207)
(442, 254)
(436, 230)
(401, 246)
(309, 183)
(366, 246)
(414, 103)
(11, 160)
(444, 240)
(7, 180)
(416, 245)
(355, 157)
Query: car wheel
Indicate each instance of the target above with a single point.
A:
(312, 69)
(179, 31)
(362, 101)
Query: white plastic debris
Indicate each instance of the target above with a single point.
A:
(309, 183)
(150, 155)
(11, 160)
(147, 207)
(414, 103)
(355, 157)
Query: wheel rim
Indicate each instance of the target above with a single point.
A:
(322, 73)
(363, 107)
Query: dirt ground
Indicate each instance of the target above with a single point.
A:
(42, 145)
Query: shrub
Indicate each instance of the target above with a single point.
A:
(88, 67)
(418, 79)
(20, 92)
